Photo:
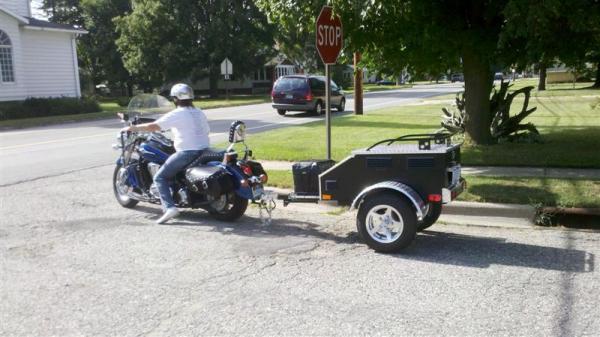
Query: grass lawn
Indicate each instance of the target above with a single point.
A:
(211, 103)
(528, 191)
(375, 87)
(569, 124)
(109, 109)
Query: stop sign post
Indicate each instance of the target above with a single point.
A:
(329, 41)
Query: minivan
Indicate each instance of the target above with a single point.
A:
(305, 93)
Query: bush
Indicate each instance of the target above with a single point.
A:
(43, 107)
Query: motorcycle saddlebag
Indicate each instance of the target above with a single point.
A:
(306, 175)
(211, 180)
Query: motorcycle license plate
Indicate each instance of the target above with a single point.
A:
(257, 192)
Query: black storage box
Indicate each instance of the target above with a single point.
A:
(306, 175)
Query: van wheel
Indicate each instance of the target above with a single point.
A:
(386, 223)
(342, 105)
(431, 216)
(281, 112)
(319, 109)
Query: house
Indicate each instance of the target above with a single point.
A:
(260, 82)
(37, 58)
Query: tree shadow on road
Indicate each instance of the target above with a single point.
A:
(481, 252)
(429, 246)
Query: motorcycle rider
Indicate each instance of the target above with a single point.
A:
(190, 131)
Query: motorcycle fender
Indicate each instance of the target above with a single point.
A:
(237, 176)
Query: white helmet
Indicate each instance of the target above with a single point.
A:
(182, 91)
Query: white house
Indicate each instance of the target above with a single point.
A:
(37, 58)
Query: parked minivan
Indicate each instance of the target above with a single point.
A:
(305, 93)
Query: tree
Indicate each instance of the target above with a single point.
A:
(544, 31)
(99, 59)
(99, 49)
(427, 36)
(169, 40)
(295, 33)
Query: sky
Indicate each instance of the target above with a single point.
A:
(35, 12)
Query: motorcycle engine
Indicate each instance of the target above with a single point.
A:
(153, 169)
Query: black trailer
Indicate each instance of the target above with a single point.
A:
(397, 185)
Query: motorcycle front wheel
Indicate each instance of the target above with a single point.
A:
(229, 207)
(120, 187)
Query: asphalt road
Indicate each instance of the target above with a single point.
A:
(74, 263)
(47, 151)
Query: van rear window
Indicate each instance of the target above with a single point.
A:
(290, 83)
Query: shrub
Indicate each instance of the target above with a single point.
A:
(43, 107)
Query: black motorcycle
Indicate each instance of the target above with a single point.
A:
(220, 182)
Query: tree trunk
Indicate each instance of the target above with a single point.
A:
(358, 89)
(542, 83)
(478, 85)
(213, 82)
(597, 81)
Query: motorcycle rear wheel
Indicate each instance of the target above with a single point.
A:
(119, 188)
(235, 206)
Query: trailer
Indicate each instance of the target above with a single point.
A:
(398, 186)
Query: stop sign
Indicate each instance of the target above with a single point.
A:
(330, 38)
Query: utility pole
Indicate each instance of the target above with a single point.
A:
(358, 90)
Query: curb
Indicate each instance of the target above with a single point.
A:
(461, 212)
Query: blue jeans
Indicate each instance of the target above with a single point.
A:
(165, 176)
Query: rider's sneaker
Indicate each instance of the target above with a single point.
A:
(170, 213)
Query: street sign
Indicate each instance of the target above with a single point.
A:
(330, 40)
(226, 68)
(330, 36)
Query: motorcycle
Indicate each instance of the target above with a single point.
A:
(220, 182)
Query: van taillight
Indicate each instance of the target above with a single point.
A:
(308, 97)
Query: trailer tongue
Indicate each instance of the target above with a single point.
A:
(398, 187)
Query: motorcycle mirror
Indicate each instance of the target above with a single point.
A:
(237, 132)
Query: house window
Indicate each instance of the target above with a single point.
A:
(6, 64)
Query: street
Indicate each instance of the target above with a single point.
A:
(76, 263)
(48, 151)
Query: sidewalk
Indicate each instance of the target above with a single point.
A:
(500, 171)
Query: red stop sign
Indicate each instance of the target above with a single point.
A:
(330, 37)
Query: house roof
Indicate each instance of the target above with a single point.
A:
(45, 25)
(17, 17)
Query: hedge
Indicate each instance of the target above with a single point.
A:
(43, 107)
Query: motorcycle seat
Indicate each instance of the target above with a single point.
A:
(207, 156)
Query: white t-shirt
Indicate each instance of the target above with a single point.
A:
(189, 127)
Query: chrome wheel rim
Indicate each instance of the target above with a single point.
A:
(121, 186)
(384, 224)
(319, 109)
(342, 105)
(223, 203)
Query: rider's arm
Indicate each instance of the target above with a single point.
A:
(148, 127)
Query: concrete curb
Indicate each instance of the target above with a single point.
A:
(457, 212)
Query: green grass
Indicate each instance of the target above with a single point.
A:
(211, 103)
(529, 191)
(41, 121)
(109, 110)
(570, 127)
(375, 87)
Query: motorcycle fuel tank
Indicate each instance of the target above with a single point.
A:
(152, 153)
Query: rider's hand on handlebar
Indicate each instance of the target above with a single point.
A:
(126, 129)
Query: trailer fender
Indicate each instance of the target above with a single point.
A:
(395, 186)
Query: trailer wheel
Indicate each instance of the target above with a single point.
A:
(386, 223)
(431, 216)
